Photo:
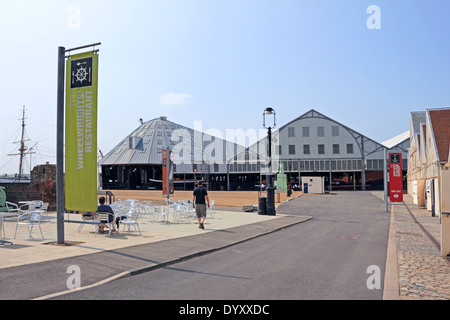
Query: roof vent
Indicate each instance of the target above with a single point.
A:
(163, 118)
(135, 143)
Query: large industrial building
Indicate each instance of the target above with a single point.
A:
(315, 145)
(136, 162)
(310, 145)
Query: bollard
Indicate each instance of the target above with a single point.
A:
(262, 206)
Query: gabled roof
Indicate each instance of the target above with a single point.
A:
(422, 143)
(395, 141)
(391, 143)
(440, 129)
(416, 118)
(316, 114)
(144, 145)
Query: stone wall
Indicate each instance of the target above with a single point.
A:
(42, 186)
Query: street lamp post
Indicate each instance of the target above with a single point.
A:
(270, 188)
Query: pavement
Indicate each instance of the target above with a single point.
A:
(41, 269)
(423, 273)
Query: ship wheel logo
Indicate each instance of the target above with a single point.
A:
(81, 75)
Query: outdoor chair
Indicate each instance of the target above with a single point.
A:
(30, 219)
(171, 211)
(132, 219)
(103, 218)
(118, 208)
(150, 212)
(130, 202)
(44, 209)
(30, 205)
(13, 210)
(12, 207)
(190, 211)
(86, 217)
(182, 212)
(211, 209)
(160, 213)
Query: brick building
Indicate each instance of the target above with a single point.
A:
(429, 168)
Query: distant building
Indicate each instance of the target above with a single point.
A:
(316, 145)
(428, 157)
(416, 157)
(429, 166)
(312, 144)
(136, 162)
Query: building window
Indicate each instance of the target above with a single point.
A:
(291, 132)
(320, 131)
(291, 149)
(335, 149)
(321, 149)
(306, 149)
(335, 131)
(305, 131)
(350, 148)
(216, 167)
(279, 149)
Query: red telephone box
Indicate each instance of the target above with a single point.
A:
(395, 177)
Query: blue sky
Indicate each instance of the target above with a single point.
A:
(222, 62)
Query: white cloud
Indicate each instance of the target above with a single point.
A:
(174, 99)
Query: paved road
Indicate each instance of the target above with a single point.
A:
(324, 258)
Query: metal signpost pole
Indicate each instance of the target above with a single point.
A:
(385, 181)
(60, 148)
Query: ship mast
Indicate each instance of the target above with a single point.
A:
(22, 149)
(22, 144)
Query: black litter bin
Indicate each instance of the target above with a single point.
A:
(262, 206)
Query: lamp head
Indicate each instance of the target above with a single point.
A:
(269, 111)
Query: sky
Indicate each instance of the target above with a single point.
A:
(365, 64)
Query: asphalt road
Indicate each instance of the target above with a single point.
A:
(326, 257)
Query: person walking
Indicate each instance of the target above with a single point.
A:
(199, 202)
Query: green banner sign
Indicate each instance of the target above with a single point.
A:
(81, 132)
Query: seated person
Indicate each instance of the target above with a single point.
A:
(105, 208)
